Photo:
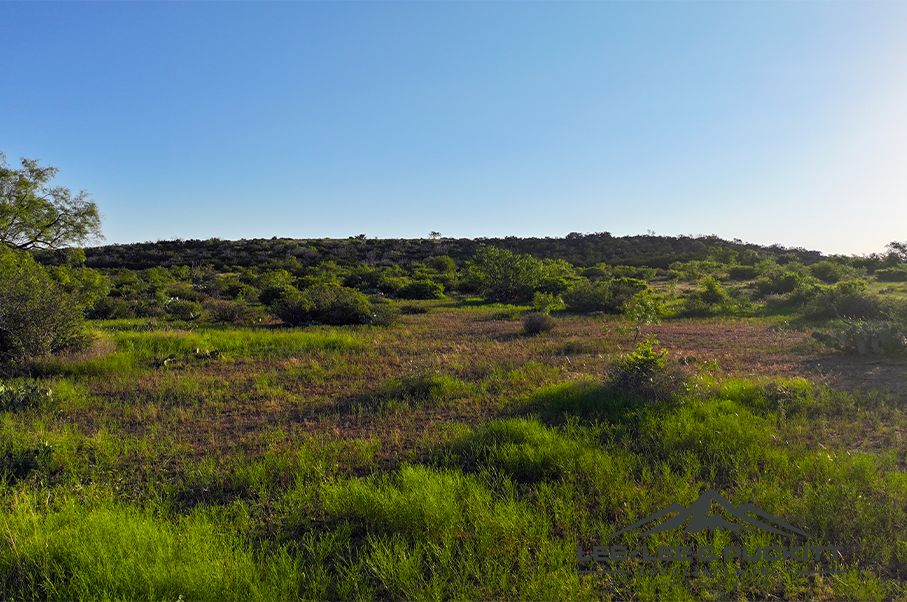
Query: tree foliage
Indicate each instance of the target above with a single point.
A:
(36, 215)
(504, 276)
(38, 315)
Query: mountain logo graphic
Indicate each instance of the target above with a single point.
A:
(698, 515)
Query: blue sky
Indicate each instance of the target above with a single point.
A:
(769, 122)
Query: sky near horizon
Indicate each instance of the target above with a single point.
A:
(771, 122)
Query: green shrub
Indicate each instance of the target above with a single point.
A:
(37, 316)
(643, 309)
(229, 312)
(325, 303)
(112, 308)
(411, 310)
(546, 302)
(294, 308)
(624, 289)
(892, 274)
(775, 301)
(421, 289)
(851, 300)
(645, 374)
(273, 293)
(504, 276)
(831, 272)
(537, 322)
(743, 272)
(778, 283)
(186, 292)
(602, 295)
(635, 272)
(180, 309)
(441, 264)
(384, 314)
(589, 296)
(710, 299)
(600, 272)
(337, 305)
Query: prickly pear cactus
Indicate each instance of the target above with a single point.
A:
(865, 338)
(22, 396)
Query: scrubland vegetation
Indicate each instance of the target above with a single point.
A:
(443, 419)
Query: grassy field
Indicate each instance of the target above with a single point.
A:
(448, 457)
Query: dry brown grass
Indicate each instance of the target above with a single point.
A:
(240, 406)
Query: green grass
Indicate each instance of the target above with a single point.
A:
(137, 350)
(250, 475)
(80, 549)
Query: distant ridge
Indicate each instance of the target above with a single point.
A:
(581, 250)
(698, 515)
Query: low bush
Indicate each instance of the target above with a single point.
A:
(636, 272)
(326, 304)
(645, 374)
(831, 272)
(743, 272)
(112, 308)
(229, 312)
(892, 274)
(778, 283)
(643, 309)
(274, 293)
(37, 316)
(547, 302)
(294, 309)
(624, 289)
(180, 309)
(851, 300)
(775, 301)
(537, 322)
(411, 309)
(589, 296)
(421, 289)
(384, 314)
(711, 299)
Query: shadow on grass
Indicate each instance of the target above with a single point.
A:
(588, 401)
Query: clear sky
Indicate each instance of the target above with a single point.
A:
(769, 122)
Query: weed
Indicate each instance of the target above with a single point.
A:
(22, 395)
(546, 303)
(423, 388)
(538, 322)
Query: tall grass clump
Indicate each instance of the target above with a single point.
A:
(527, 451)
(438, 531)
(100, 551)
(718, 439)
(423, 388)
(781, 397)
(538, 322)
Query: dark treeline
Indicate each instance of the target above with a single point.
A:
(581, 250)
